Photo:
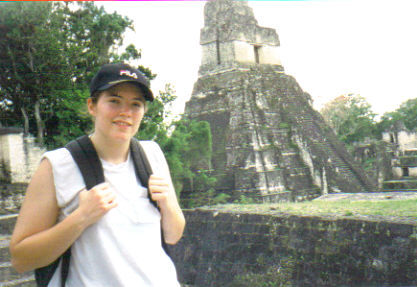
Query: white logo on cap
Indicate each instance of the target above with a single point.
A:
(128, 73)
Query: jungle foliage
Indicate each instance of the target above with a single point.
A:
(352, 119)
(49, 51)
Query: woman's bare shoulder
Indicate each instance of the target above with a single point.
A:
(39, 209)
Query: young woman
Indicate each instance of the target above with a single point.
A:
(113, 229)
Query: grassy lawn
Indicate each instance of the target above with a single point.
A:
(406, 209)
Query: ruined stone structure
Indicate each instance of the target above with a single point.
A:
(19, 156)
(400, 136)
(392, 161)
(268, 141)
(403, 176)
(376, 158)
(405, 150)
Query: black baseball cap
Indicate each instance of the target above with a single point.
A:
(110, 75)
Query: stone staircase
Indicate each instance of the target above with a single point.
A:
(341, 162)
(8, 276)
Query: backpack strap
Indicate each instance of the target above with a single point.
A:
(142, 167)
(65, 266)
(85, 156)
(44, 274)
(143, 171)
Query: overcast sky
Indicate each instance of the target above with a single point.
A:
(331, 47)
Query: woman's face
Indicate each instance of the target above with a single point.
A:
(118, 111)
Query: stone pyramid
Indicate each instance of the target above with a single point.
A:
(269, 144)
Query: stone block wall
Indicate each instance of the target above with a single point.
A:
(218, 246)
(231, 34)
(19, 157)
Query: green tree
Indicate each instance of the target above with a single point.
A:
(155, 124)
(26, 40)
(190, 151)
(406, 113)
(50, 50)
(351, 118)
(68, 117)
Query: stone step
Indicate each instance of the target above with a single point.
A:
(25, 281)
(400, 184)
(8, 273)
(4, 248)
(406, 161)
(299, 171)
(341, 165)
(10, 277)
(399, 190)
(411, 152)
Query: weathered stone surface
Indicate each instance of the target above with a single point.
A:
(402, 154)
(378, 157)
(374, 196)
(217, 246)
(268, 141)
(7, 223)
(232, 35)
(8, 276)
(19, 156)
(11, 197)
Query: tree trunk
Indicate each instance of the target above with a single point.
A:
(39, 122)
(25, 121)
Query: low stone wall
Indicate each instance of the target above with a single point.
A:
(217, 247)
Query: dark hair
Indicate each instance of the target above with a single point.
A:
(94, 97)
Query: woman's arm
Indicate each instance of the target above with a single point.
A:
(173, 221)
(37, 240)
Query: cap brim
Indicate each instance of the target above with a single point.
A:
(146, 91)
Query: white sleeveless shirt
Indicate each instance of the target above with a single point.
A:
(124, 247)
